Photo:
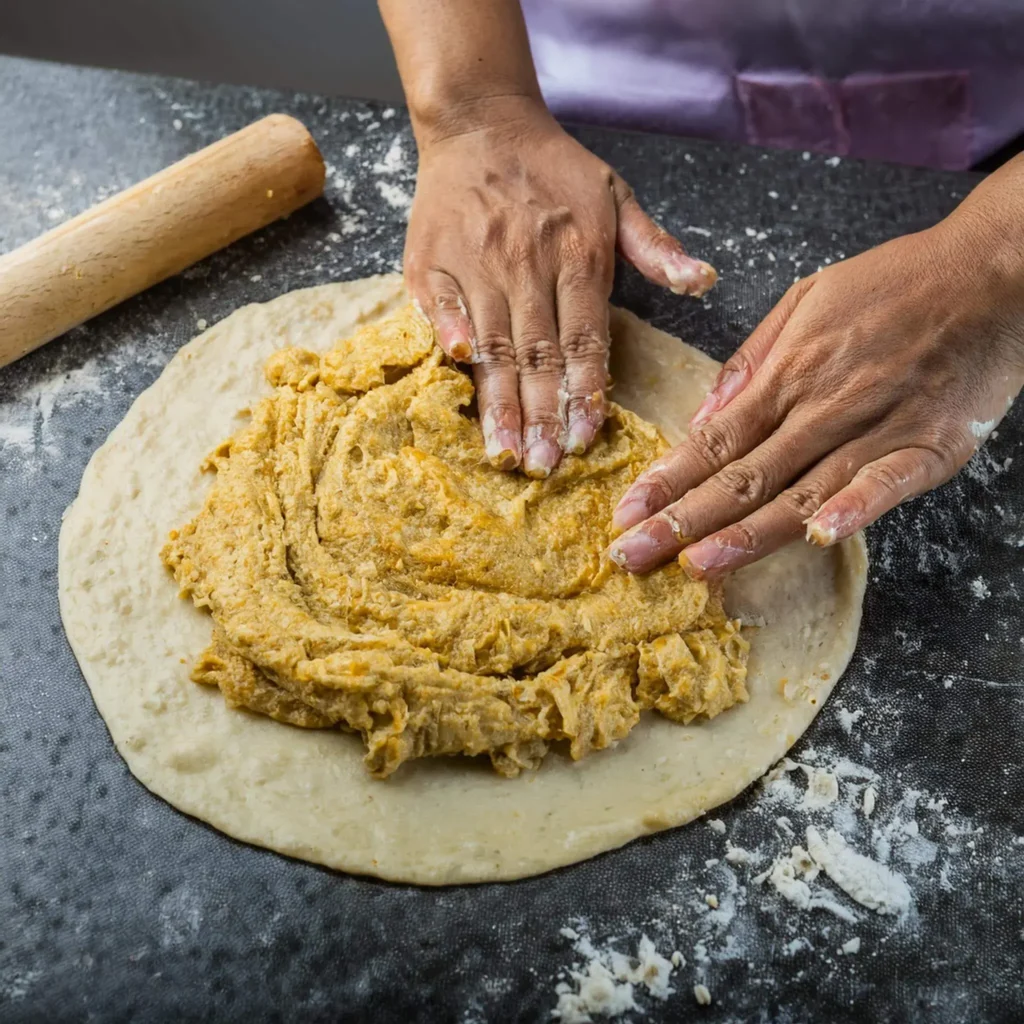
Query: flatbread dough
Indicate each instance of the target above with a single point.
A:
(366, 567)
(306, 792)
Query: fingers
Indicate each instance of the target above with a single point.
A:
(496, 380)
(583, 337)
(877, 487)
(538, 357)
(739, 489)
(780, 521)
(437, 295)
(654, 252)
(707, 450)
(739, 370)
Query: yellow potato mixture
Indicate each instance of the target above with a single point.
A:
(366, 568)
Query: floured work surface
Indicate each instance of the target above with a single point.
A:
(306, 792)
(206, 926)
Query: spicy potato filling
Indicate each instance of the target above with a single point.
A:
(366, 568)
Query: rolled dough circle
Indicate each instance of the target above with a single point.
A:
(306, 793)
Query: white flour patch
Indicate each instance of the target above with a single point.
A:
(848, 719)
(25, 418)
(981, 430)
(871, 884)
(394, 159)
(980, 589)
(606, 982)
(984, 467)
(394, 195)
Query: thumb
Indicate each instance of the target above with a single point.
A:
(654, 252)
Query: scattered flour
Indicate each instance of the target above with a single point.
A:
(25, 418)
(605, 982)
(848, 719)
(871, 884)
(394, 159)
(791, 875)
(981, 430)
(822, 788)
(870, 796)
(394, 195)
(980, 589)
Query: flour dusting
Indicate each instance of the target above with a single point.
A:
(606, 982)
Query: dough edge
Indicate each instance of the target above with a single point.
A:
(306, 794)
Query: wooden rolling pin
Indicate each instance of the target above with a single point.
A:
(154, 230)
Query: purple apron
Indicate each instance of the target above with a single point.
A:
(938, 83)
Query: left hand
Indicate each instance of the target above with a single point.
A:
(870, 382)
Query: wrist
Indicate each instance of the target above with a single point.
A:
(440, 116)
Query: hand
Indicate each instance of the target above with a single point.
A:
(510, 253)
(869, 383)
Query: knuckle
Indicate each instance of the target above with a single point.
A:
(552, 222)
(658, 488)
(946, 443)
(538, 355)
(583, 264)
(744, 484)
(495, 347)
(746, 536)
(886, 476)
(801, 501)
(583, 343)
(714, 441)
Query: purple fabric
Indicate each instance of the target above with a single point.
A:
(932, 82)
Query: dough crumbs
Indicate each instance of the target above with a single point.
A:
(717, 825)
(791, 874)
(702, 995)
(851, 947)
(606, 982)
(822, 788)
(365, 568)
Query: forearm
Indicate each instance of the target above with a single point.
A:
(462, 62)
(990, 226)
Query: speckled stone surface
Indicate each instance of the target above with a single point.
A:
(115, 907)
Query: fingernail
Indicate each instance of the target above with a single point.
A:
(456, 335)
(705, 410)
(581, 433)
(541, 458)
(687, 276)
(629, 512)
(633, 550)
(643, 549)
(502, 448)
(712, 557)
(461, 350)
(728, 385)
(826, 529)
(585, 420)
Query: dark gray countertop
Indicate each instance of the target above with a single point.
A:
(113, 906)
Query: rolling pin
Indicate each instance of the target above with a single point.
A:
(154, 230)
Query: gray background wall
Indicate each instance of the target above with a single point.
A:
(327, 46)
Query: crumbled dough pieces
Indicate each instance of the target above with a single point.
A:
(366, 568)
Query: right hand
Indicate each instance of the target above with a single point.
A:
(510, 253)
